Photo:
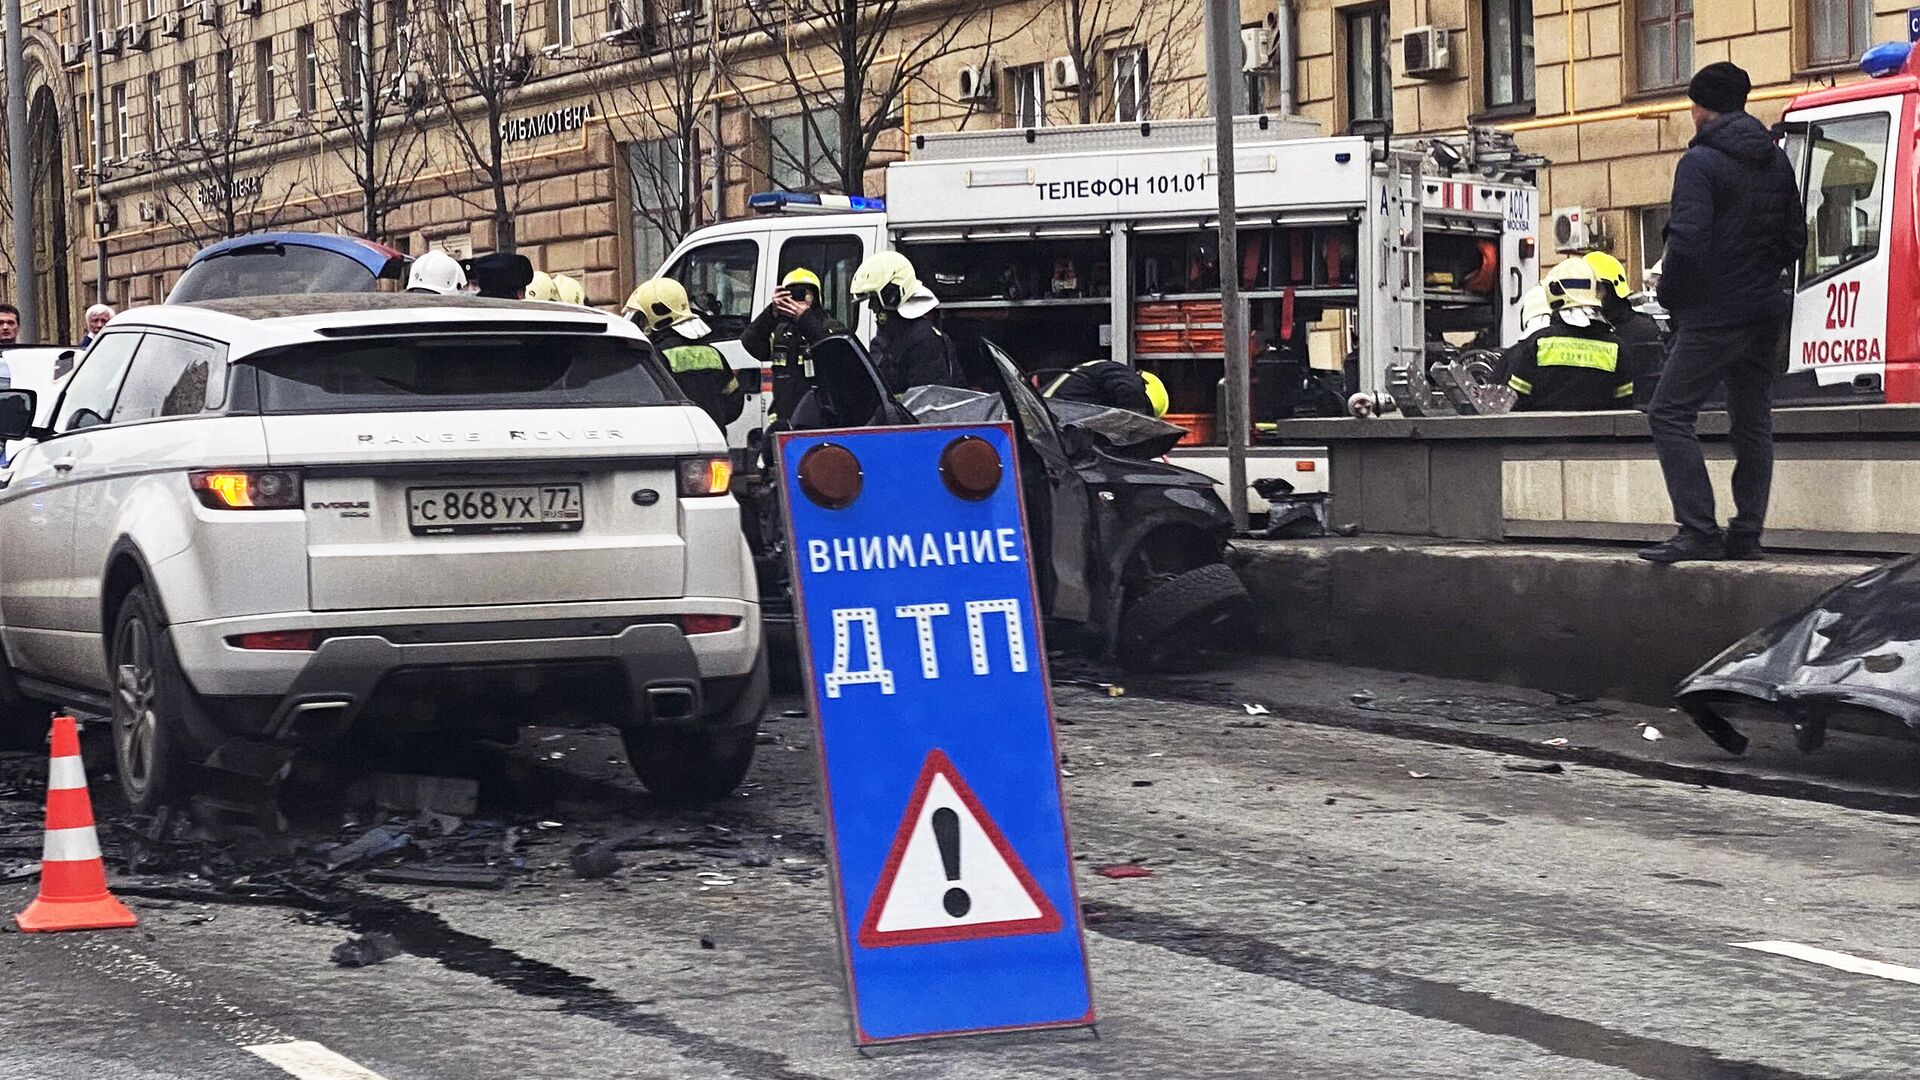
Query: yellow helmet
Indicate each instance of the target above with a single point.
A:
(1156, 393)
(1609, 271)
(542, 287)
(1572, 284)
(800, 275)
(660, 302)
(886, 276)
(570, 290)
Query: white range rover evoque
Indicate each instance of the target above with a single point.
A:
(274, 523)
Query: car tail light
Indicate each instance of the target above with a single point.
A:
(247, 489)
(274, 640)
(708, 624)
(705, 476)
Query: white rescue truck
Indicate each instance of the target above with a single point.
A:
(1068, 244)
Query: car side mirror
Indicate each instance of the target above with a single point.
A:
(16, 413)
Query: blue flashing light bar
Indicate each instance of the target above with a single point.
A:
(1886, 58)
(801, 202)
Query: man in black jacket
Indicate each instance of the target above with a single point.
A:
(1736, 227)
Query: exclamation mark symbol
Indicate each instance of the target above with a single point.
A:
(946, 833)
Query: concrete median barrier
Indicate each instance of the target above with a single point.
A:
(1574, 619)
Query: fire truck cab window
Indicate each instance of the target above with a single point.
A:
(1845, 171)
(719, 280)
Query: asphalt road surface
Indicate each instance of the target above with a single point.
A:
(1325, 901)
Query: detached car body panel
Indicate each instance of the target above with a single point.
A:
(1852, 658)
(283, 263)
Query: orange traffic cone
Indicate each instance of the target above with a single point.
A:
(73, 879)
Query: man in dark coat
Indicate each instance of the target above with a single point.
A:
(907, 348)
(1737, 226)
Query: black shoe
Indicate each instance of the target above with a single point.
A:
(1686, 547)
(1745, 547)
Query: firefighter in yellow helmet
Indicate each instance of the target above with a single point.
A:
(908, 349)
(1573, 363)
(1643, 348)
(661, 308)
(783, 335)
(542, 288)
(1111, 383)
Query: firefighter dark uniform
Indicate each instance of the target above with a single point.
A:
(1567, 368)
(1106, 382)
(907, 349)
(785, 343)
(662, 309)
(703, 374)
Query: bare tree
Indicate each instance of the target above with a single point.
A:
(652, 82)
(853, 90)
(483, 65)
(1163, 32)
(381, 86)
(209, 186)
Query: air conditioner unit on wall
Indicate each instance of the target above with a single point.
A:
(1572, 229)
(978, 82)
(1427, 53)
(150, 211)
(173, 26)
(1256, 47)
(106, 42)
(72, 52)
(249, 7)
(209, 12)
(1063, 73)
(137, 36)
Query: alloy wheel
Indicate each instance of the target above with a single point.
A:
(133, 704)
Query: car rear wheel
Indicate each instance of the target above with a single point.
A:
(1177, 624)
(688, 767)
(151, 747)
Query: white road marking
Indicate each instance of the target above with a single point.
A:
(1829, 958)
(311, 1061)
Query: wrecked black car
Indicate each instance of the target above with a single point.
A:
(1129, 550)
(1851, 661)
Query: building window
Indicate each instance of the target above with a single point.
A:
(350, 71)
(659, 181)
(1838, 31)
(1508, 26)
(1665, 43)
(153, 10)
(1029, 96)
(223, 72)
(802, 149)
(189, 103)
(1130, 85)
(560, 22)
(1653, 236)
(156, 115)
(264, 90)
(122, 134)
(1369, 78)
(308, 85)
(509, 28)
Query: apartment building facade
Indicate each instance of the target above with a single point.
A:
(599, 131)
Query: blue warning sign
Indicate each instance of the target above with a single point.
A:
(917, 618)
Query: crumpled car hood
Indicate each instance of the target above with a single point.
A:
(1120, 430)
(1857, 647)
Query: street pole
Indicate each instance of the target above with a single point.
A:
(1223, 75)
(99, 147)
(26, 289)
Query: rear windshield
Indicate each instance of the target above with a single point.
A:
(543, 371)
(271, 270)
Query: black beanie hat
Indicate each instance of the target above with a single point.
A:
(1720, 87)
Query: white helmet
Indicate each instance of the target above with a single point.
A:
(437, 272)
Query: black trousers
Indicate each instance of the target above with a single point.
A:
(1746, 359)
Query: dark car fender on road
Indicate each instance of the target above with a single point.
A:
(1852, 659)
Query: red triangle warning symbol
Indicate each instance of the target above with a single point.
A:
(951, 875)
